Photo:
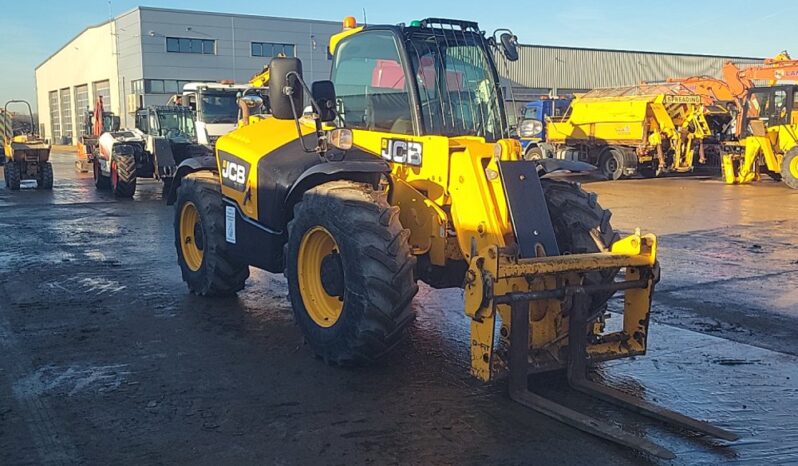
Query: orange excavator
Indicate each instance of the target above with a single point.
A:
(736, 81)
(95, 123)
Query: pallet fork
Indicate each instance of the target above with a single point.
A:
(577, 372)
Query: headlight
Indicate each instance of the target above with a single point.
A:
(530, 128)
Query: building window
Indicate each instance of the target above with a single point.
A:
(66, 112)
(137, 86)
(55, 116)
(158, 86)
(81, 106)
(102, 88)
(271, 49)
(188, 45)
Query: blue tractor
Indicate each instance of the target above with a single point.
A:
(532, 127)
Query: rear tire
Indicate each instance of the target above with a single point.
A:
(45, 179)
(366, 272)
(13, 175)
(123, 176)
(611, 164)
(101, 182)
(581, 226)
(789, 168)
(215, 272)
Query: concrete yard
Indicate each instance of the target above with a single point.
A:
(107, 359)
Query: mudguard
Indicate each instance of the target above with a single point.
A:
(187, 166)
(358, 170)
(553, 165)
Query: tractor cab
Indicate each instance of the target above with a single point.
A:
(175, 123)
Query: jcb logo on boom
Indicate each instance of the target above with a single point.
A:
(399, 151)
(234, 172)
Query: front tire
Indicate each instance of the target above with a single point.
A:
(789, 168)
(45, 179)
(350, 272)
(533, 153)
(205, 262)
(581, 226)
(13, 175)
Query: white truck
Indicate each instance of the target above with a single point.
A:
(215, 106)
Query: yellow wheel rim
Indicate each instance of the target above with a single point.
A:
(794, 167)
(317, 243)
(192, 239)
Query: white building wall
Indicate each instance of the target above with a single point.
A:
(233, 36)
(87, 59)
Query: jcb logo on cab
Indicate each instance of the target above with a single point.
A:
(399, 151)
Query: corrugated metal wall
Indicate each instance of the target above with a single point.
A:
(544, 67)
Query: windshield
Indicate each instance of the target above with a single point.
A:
(456, 82)
(176, 123)
(219, 107)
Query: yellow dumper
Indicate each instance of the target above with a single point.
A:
(646, 129)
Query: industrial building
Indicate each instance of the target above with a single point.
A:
(143, 56)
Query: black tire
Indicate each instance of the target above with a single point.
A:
(45, 178)
(13, 175)
(789, 168)
(123, 176)
(378, 272)
(219, 274)
(611, 164)
(101, 182)
(533, 153)
(581, 226)
(166, 186)
(647, 171)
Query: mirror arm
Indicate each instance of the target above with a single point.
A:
(287, 91)
(321, 149)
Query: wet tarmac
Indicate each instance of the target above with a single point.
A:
(108, 360)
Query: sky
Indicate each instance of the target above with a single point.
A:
(32, 30)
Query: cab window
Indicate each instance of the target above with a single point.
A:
(370, 84)
(141, 121)
(779, 110)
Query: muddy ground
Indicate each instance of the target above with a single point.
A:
(106, 359)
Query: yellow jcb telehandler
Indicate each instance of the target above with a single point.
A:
(406, 171)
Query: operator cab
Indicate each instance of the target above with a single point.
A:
(768, 107)
(173, 122)
(433, 77)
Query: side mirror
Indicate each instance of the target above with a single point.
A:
(285, 90)
(509, 46)
(252, 101)
(324, 95)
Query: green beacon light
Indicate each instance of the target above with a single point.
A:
(415, 24)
